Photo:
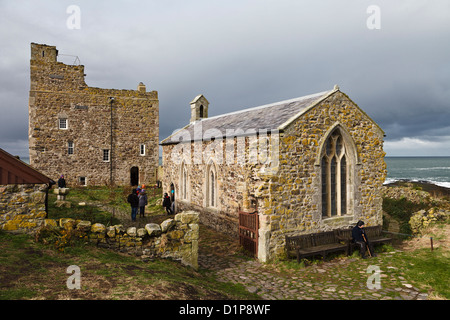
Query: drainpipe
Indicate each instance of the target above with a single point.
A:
(111, 100)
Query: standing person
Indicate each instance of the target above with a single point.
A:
(142, 202)
(359, 237)
(133, 200)
(167, 203)
(61, 182)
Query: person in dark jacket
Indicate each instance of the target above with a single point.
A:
(167, 204)
(360, 238)
(61, 182)
(133, 200)
(142, 202)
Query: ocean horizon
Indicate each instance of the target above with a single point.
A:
(435, 170)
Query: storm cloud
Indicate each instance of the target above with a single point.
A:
(242, 54)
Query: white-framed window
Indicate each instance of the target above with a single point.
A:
(82, 181)
(142, 149)
(106, 155)
(70, 147)
(63, 123)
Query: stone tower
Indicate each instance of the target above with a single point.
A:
(91, 135)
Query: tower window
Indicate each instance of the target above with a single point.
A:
(142, 150)
(70, 147)
(106, 155)
(63, 123)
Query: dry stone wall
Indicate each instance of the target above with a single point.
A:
(175, 238)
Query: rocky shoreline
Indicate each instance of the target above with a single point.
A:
(433, 189)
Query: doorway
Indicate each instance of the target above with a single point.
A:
(134, 176)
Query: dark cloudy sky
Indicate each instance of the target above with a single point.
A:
(242, 54)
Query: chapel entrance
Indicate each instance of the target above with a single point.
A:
(134, 176)
(248, 231)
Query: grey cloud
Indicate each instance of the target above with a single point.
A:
(242, 54)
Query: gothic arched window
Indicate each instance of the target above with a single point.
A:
(334, 176)
(211, 186)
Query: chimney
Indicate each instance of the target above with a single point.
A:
(141, 87)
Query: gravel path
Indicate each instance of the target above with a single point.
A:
(340, 278)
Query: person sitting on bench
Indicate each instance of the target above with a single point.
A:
(360, 238)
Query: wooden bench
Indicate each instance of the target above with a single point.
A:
(313, 244)
(374, 234)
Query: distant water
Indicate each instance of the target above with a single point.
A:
(434, 170)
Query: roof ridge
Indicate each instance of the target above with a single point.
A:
(319, 94)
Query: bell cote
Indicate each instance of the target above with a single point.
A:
(199, 108)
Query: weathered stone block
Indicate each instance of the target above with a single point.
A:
(167, 225)
(111, 232)
(131, 231)
(141, 232)
(98, 228)
(84, 226)
(153, 229)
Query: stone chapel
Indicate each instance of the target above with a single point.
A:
(305, 165)
(92, 136)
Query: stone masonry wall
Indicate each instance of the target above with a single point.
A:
(22, 207)
(292, 202)
(232, 185)
(58, 91)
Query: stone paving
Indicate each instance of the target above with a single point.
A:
(339, 278)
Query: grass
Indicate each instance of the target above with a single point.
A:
(99, 203)
(30, 270)
(428, 268)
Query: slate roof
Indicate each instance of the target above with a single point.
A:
(274, 116)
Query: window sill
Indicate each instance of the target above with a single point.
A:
(338, 220)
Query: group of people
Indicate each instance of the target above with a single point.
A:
(138, 200)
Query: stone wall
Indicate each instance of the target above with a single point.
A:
(58, 91)
(22, 207)
(175, 238)
(292, 202)
(232, 180)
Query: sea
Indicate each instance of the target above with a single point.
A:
(435, 170)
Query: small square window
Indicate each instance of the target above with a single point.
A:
(142, 150)
(106, 155)
(70, 147)
(63, 124)
(82, 181)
